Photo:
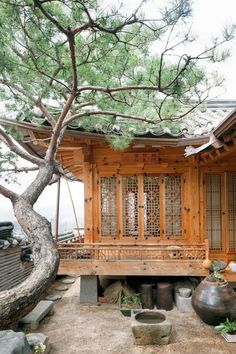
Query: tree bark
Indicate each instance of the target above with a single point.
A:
(16, 302)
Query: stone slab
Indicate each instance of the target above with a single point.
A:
(61, 288)
(14, 343)
(33, 318)
(68, 281)
(35, 339)
(88, 289)
(53, 297)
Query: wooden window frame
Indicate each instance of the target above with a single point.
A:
(141, 237)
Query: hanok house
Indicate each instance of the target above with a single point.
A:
(160, 207)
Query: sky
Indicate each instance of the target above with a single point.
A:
(209, 18)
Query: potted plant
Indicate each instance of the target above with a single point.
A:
(129, 302)
(214, 299)
(228, 330)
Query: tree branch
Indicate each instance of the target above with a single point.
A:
(8, 193)
(13, 147)
(37, 102)
(106, 113)
(20, 169)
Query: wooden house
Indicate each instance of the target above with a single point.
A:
(162, 206)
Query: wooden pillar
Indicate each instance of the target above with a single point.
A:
(88, 195)
(194, 203)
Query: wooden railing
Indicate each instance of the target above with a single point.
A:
(124, 252)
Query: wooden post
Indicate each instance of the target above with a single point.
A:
(57, 209)
(88, 202)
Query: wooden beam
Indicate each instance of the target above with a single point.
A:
(152, 268)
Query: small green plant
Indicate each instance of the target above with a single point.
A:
(39, 348)
(216, 275)
(226, 327)
(130, 299)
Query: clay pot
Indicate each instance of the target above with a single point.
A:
(206, 263)
(214, 302)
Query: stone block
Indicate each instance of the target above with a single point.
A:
(33, 318)
(14, 343)
(89, 289)
(183, 304)
(150, 327)
(35, 339)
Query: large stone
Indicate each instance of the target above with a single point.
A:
(14, 343)
(36, 339)
(33, 318)
(150, 327)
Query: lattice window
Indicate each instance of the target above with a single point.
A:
(151, 189)
(130, 206)
(232, 211)
(108, 207)
(173, 206)
(213, 211)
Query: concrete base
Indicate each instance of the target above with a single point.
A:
(88, 289)
(183, 304)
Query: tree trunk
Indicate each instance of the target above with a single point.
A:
(16, 302)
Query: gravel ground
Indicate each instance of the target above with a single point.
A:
(83, 329)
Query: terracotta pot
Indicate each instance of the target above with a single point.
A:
(214, 303)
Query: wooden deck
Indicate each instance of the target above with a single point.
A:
(139, 259)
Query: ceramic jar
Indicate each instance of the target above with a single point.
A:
(214, 302)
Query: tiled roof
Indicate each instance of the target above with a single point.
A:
(201, 122)
(206, 118)
(7, 238)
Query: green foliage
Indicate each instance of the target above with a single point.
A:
(226, 327)
(35, 56)
(216, 275)
(40, 348)
(130, 299)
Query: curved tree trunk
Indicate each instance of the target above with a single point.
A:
(16, 302)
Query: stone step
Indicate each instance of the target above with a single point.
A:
(33, 318)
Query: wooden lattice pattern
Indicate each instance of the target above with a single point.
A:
(151, 189)
(213, 211)
(108, 206)
(102, 252)
(130, 206)
(232, 211)
(173, 206)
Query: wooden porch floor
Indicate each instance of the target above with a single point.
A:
(139, 259)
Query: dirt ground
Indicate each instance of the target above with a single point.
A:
(90, 329)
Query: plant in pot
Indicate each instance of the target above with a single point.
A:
(214, 299)
(129, 302)
(228, 330)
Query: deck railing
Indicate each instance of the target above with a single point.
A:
(124, 252)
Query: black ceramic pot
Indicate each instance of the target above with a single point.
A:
(214, 302)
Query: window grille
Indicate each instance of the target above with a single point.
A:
(173, 206)
(151, 189)
(213, 211)
(232, 211)
(108, 207)
(130, 206)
